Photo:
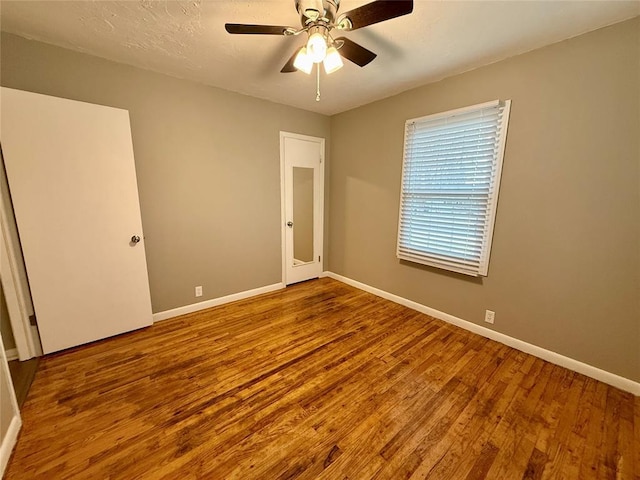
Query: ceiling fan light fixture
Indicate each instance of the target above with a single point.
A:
(303, 61)
(317, 46)
(318, 19)
(333, 61)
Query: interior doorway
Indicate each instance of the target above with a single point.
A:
(22, 372)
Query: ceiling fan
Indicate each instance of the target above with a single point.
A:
(318, 19)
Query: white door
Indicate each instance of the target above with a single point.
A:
(302, 163)
(73, 184)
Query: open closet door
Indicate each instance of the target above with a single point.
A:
(73, 185)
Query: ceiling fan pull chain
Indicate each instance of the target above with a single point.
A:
(318, 83)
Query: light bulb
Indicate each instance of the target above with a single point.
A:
(332, 61)
(317, 47)
(303, 61)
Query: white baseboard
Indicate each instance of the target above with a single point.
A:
(8, 442)
(607, 377)
(194, 307)
(12, 354)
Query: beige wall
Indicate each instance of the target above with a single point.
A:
(207, 162)
(565, 263)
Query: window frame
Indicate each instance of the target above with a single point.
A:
(429, 258)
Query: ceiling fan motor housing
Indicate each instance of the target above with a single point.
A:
(317, 10)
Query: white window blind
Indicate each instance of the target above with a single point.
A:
(450, 181)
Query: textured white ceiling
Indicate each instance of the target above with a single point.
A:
(187, 39)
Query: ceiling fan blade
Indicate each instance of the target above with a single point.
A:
(374, 12)
(243, 29)
(354, 52)
(288, 67)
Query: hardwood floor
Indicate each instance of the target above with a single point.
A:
(318, 381)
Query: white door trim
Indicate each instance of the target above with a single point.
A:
(318, 235)
(26, 344)
(11, 437)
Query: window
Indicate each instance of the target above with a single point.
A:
(450, 181)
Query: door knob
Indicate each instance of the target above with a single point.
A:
(135, 239)
(290, 224)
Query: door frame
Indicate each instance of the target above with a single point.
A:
(318, 236)
(27, 343)
(15, 423)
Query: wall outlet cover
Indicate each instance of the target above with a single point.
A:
(489, 316)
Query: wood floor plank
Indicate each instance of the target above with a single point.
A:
(593, 432)
(515, 436)
(318, 381)
(443, 459)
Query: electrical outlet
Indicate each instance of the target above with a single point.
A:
(199, 291)
(489, 316)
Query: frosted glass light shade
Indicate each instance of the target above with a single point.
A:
(317, 47)
(332, 61)
(303, 61)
